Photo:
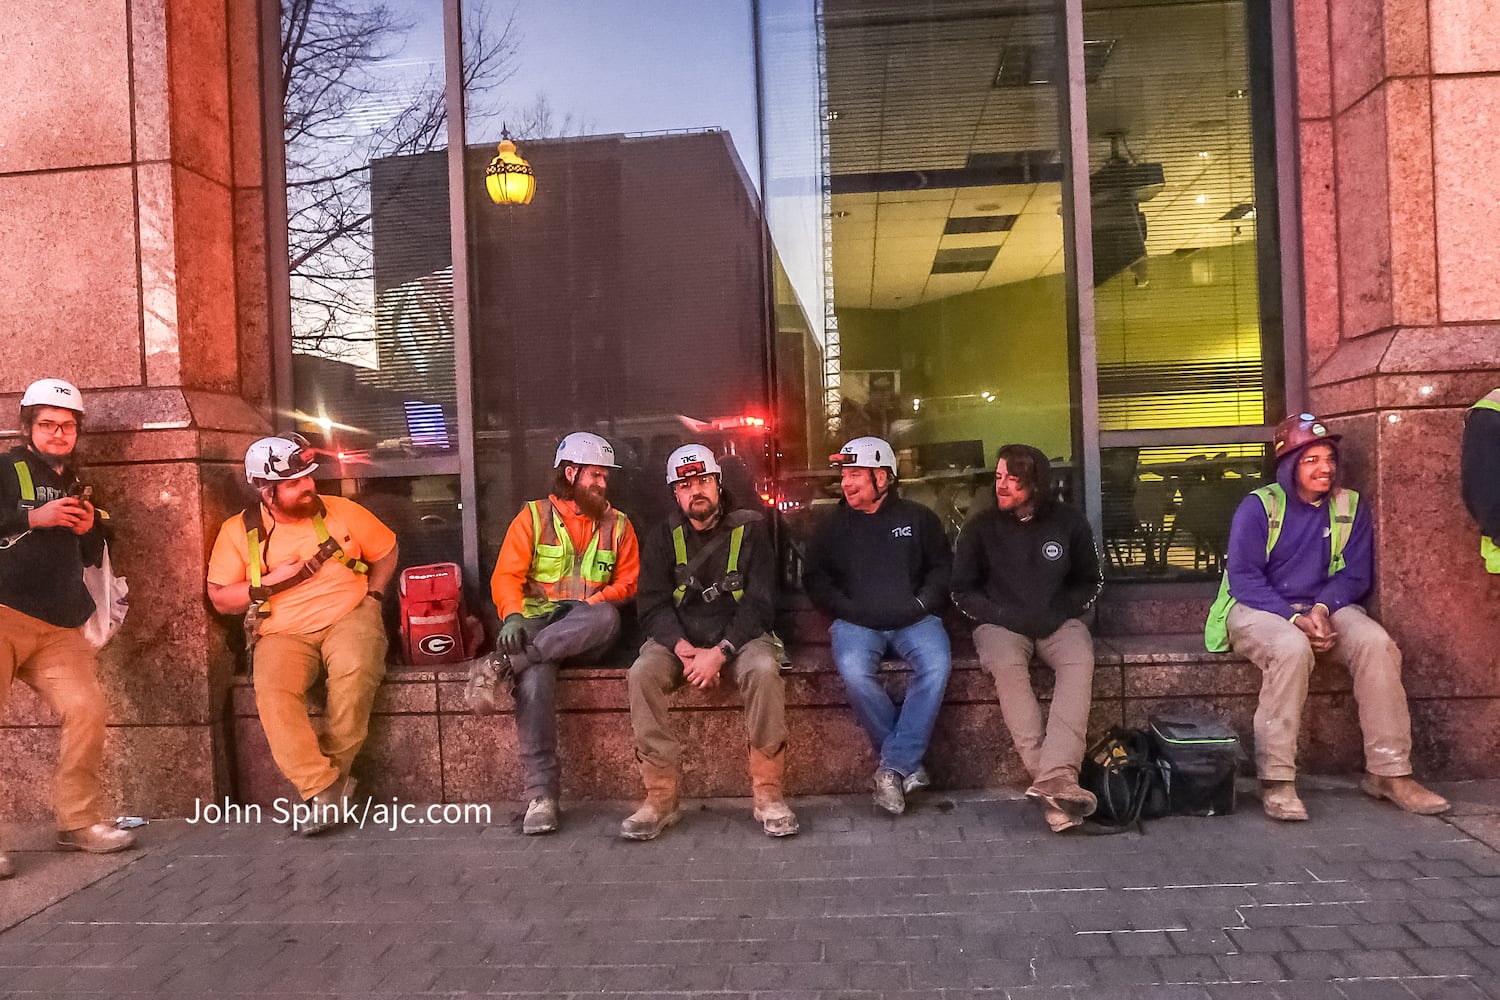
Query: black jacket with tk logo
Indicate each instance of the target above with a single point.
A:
(42, 574)
(1027, 576)
(884, 570)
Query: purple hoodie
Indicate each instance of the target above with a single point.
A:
(1297, 570)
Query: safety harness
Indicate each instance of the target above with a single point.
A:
(685, 571)
(328, 548)
(1341, 508)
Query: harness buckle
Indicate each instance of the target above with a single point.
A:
(711, 594)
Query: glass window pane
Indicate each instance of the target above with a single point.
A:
(938, 317)
(628, 297)
(1172, 179)
(367, 231)
(1167, 509)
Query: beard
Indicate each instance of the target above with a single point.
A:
(302, 506)
(592, 500)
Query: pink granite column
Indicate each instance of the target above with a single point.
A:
(1399, 199)
(132, 241)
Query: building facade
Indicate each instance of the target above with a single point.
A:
(1133, 234)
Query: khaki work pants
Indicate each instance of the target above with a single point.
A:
(59, 665)
(1285, 657)
(1057, 750)
(352, 650)
(657, 672)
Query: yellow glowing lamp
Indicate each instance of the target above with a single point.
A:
(509, 179)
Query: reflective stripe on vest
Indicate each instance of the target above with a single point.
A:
(1341, 510)
(731, 582)
(1488, 549)
(28, 488)
(1491, 401)
(557, 572)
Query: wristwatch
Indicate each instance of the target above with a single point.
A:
(727, 648)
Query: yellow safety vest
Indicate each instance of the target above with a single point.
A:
(1489, 550)
(558, 573)
(1341, 508)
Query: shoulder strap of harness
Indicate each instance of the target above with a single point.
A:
(28, 488)
(1341, 511)
(1273, 498)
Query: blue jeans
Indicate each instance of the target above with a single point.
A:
(900, 737)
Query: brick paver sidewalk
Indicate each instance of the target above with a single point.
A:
(966, 896)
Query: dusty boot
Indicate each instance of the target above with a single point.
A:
(1059, 821)
(659, 811)
(1063, 794)
(776, 817)
(1406, 793)
(918, 781)
(101, 838)
(1280, 801)
(328, 807)
(6, 868)
(541, 816)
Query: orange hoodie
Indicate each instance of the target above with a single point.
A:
(514, 564)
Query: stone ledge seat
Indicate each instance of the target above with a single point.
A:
(426, 746)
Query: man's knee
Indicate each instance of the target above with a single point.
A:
(654, 670)
(82, 705)
(757, 666)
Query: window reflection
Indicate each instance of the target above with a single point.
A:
(628, 297)
(943, 323)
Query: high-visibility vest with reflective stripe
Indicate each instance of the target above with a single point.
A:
(1341, 508)
(558, 572)
(1489, 550)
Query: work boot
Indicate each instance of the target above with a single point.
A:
(1065, 794)
(1406, 793)
(659, 810)
(6, 868)
(766, 770)
(917, 781)
(1280, 801)
(487, 675)
(101, 838)
(541, 816)
(888, 794)
(1059, 820)
(328, 807)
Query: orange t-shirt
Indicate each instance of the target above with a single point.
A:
(334, 590)
(514, 564)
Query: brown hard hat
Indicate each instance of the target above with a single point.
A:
(1298, 430)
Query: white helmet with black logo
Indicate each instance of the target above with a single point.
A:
(692, 460)
(583, 448)
(53, 392)
(866, 453)
(277, 459)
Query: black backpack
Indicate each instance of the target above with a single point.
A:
(1122, 772)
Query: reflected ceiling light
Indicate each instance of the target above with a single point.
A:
(916, 404)
(988, 397)
(1202, 199)
(509, 179)
(1202, 154)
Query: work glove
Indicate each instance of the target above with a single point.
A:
(513, 635)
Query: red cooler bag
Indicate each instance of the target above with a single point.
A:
(433, 619)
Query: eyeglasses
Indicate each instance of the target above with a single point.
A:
(52, 427)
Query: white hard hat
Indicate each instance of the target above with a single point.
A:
(53, 392)
(585, 449)
(866, 453)
(692, 460)
(277, 459)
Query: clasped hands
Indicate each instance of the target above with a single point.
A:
(1318, 627)
(700, 667)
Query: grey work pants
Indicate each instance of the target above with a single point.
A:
(657, 672)
(579, 637)
(1285, 657)
(1057, 750)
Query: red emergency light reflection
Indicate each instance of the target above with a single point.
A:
(737, 423)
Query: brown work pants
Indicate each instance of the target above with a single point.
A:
(352, 650)
(1285, 657)
(1057, 750)
(59, 665)
(657, 672)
